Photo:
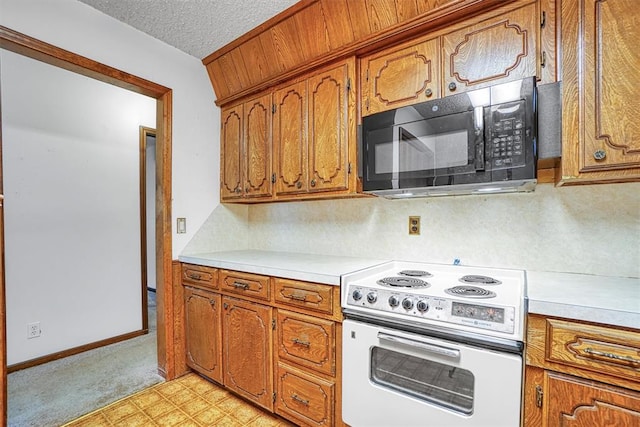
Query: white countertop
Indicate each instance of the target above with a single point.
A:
(607, 300)
(325, 269)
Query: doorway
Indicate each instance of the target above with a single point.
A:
(27, 46)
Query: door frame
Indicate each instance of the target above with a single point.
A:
(41, 51)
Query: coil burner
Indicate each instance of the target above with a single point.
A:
(403, 282)
(470, 292)
(415, 273)
(474, 279)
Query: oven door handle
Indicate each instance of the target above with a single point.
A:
(431, 348)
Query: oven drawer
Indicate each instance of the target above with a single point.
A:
(307, 341)
(246, 284)
(200, 275)
(601, 349)
(311, 296)
(305, 398)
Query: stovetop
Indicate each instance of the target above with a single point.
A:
(487, 301)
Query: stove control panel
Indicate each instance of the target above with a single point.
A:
(471, 314)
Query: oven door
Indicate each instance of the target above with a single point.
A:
(409, 150)
(392, 377)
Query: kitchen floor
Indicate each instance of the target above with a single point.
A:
(187, 401)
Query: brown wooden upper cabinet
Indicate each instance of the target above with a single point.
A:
(492, 48)
(309, 126)
(246, 150)
(601, 94)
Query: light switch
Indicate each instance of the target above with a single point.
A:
(182, 226)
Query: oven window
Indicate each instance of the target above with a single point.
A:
(442, 384)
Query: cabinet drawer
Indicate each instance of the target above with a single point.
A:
(247, 284)
(312, 296)
(602, 349)
(200, 275)
(307, 341)
(304, 398)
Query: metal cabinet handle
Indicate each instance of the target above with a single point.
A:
(593, 352)
(298, 297)
(428, 93)
(299, 184)
(195, 276)
(225, 305)
(238, 190)
(313, 182)
(599, 154)
(302, 343)
(452, 86)
(240, 285)
(298, 399)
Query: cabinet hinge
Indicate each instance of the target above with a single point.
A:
(273, 178)
(348, 84)
(539, 396)
(543, 19)
(274, 397)
(273, 324)
(273, 108)
(349, 168)
(367, 77)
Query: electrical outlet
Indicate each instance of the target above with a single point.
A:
(33, 330)
(414, 225)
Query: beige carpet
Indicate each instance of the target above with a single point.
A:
(60, 391)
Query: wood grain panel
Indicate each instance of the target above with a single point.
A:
(286, 37)
(290, 138)
(309, 296)
(202, 331)
(338, 23)
(256, 60)
(257, 147)
(246, 284)
(231, 152)
(533, 385)
(200, 275)
(308, 399)
(314, 40)
(307, 341)
(382, 14)
(584, 403)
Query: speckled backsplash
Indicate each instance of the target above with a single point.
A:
(582, 229)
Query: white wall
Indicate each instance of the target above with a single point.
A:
(72, 206)
(77, 27)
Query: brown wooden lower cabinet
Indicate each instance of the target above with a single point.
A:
(280, 350)
(580, 374)
(202, 332)
(248, 350)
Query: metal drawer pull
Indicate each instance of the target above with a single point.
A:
(300, 342)
(298, 297)
(300, 400)
(195, 276)
(240, 285)
(593, 352)
(431, 348)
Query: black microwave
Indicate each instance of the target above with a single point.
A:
(479, 141)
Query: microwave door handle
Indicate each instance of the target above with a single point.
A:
(431, 348)
(479, 141)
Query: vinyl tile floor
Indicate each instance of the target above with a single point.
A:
(187, 401)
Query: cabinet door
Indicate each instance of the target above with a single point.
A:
(290, 138)
(574, 402)
(247, 344)
(400, 76)
(494, 50)
(231, 153)
(202, 326)
(330, 116)
(601, 95)
(257, 147)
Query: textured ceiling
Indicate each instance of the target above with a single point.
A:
(197, 27)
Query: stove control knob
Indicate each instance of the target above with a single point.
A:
(422, 306)
(394, 301)
(407, 303)
(357, 295)
(372, 297)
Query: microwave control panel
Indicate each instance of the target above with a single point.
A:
(507, 135)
